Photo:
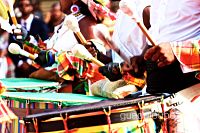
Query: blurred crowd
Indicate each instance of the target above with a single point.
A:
(42, 26)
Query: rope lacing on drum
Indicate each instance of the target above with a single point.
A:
(144, 124)
(27, 107)
(164, 125)
(65, 122)
(108, 118)
(60, 105)
(35, 123)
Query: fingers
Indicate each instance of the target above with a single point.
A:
(91, 49)
(150, 52)
(163, 63)
(156, 56)
(126, 67)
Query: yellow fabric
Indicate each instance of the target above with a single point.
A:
(3, 10)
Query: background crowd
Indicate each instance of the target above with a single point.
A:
(40, 24)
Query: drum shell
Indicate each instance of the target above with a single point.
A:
(124, 118)
(27, 103)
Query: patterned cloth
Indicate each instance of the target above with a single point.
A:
(69, 64)
(188, 54)
(6, 114)
(75, 69)
(134, 81)
(31, 48)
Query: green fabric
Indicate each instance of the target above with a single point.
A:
(29, 84)
(66, 99)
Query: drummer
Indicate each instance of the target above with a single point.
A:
(87, 23)
(180, 22)
(129, 42)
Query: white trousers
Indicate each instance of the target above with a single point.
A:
(185, 118)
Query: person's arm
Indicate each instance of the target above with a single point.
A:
(186, 52)
(90, 32)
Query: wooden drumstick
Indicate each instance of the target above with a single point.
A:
(72, 23)
(15, 49)
(145, 32)
(81, 37)
(9, 4)
(125, 7)
(81, 52)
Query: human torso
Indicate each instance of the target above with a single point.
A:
(127, 35)
(63, 39)
(175, 20)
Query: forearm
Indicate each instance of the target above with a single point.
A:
(103, 58)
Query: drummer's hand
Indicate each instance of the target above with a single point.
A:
(138, 65)
(45, 58)
(20, 33)
(112, 71)
(162, 54)
(92, 48)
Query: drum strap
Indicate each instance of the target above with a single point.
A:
(164, 125)
(35, 125)
(144, 123)
(27, 107)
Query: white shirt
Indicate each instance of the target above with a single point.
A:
(127, 35)
(173, 20)
(28, 22)
(62, 40)
(3, 67)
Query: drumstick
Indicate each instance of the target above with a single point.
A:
(15, 49)
(72, 23)
(125, 7)
(81, 52)
(9, 4)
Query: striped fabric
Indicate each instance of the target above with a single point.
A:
(134, 81)
(188, 54)
(34, 105)
(69, 64)
(31, 48)
(6, 115)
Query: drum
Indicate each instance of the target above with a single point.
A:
(25, 103)
(29, 85)
(109, 116)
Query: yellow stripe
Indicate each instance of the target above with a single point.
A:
(3, 10)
